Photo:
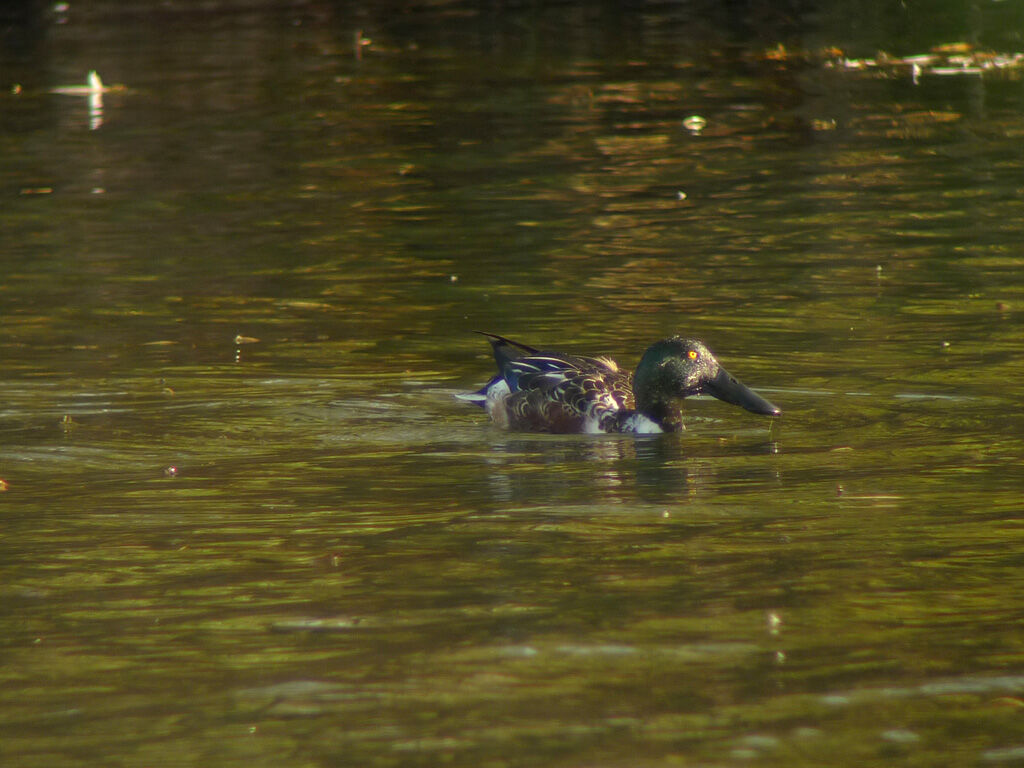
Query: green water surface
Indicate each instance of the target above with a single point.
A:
(245, 522)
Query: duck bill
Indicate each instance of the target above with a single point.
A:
(730, 389)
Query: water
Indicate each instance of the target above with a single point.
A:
(246, 520)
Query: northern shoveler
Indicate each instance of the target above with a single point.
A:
(552, 392)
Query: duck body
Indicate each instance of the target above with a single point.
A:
(537, 391)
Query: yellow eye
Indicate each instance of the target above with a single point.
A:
(693, 354)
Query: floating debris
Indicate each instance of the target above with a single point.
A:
(953, 71)
(694, 124)
(93, 83)
(948, 60)
(359, 42)
(93, 90)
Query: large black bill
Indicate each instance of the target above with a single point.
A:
(732, 390)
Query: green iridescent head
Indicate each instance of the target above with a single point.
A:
(675, 368)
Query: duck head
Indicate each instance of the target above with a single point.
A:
(676, 368)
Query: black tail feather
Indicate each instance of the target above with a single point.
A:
(506, 349)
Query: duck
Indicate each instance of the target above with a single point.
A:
(539, 391)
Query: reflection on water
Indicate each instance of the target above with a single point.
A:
(616, 469)
(243, 515)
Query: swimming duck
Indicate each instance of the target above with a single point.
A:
(539, 391)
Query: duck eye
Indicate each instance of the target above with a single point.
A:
(692, 354)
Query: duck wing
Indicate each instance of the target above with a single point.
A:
(553, 392)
